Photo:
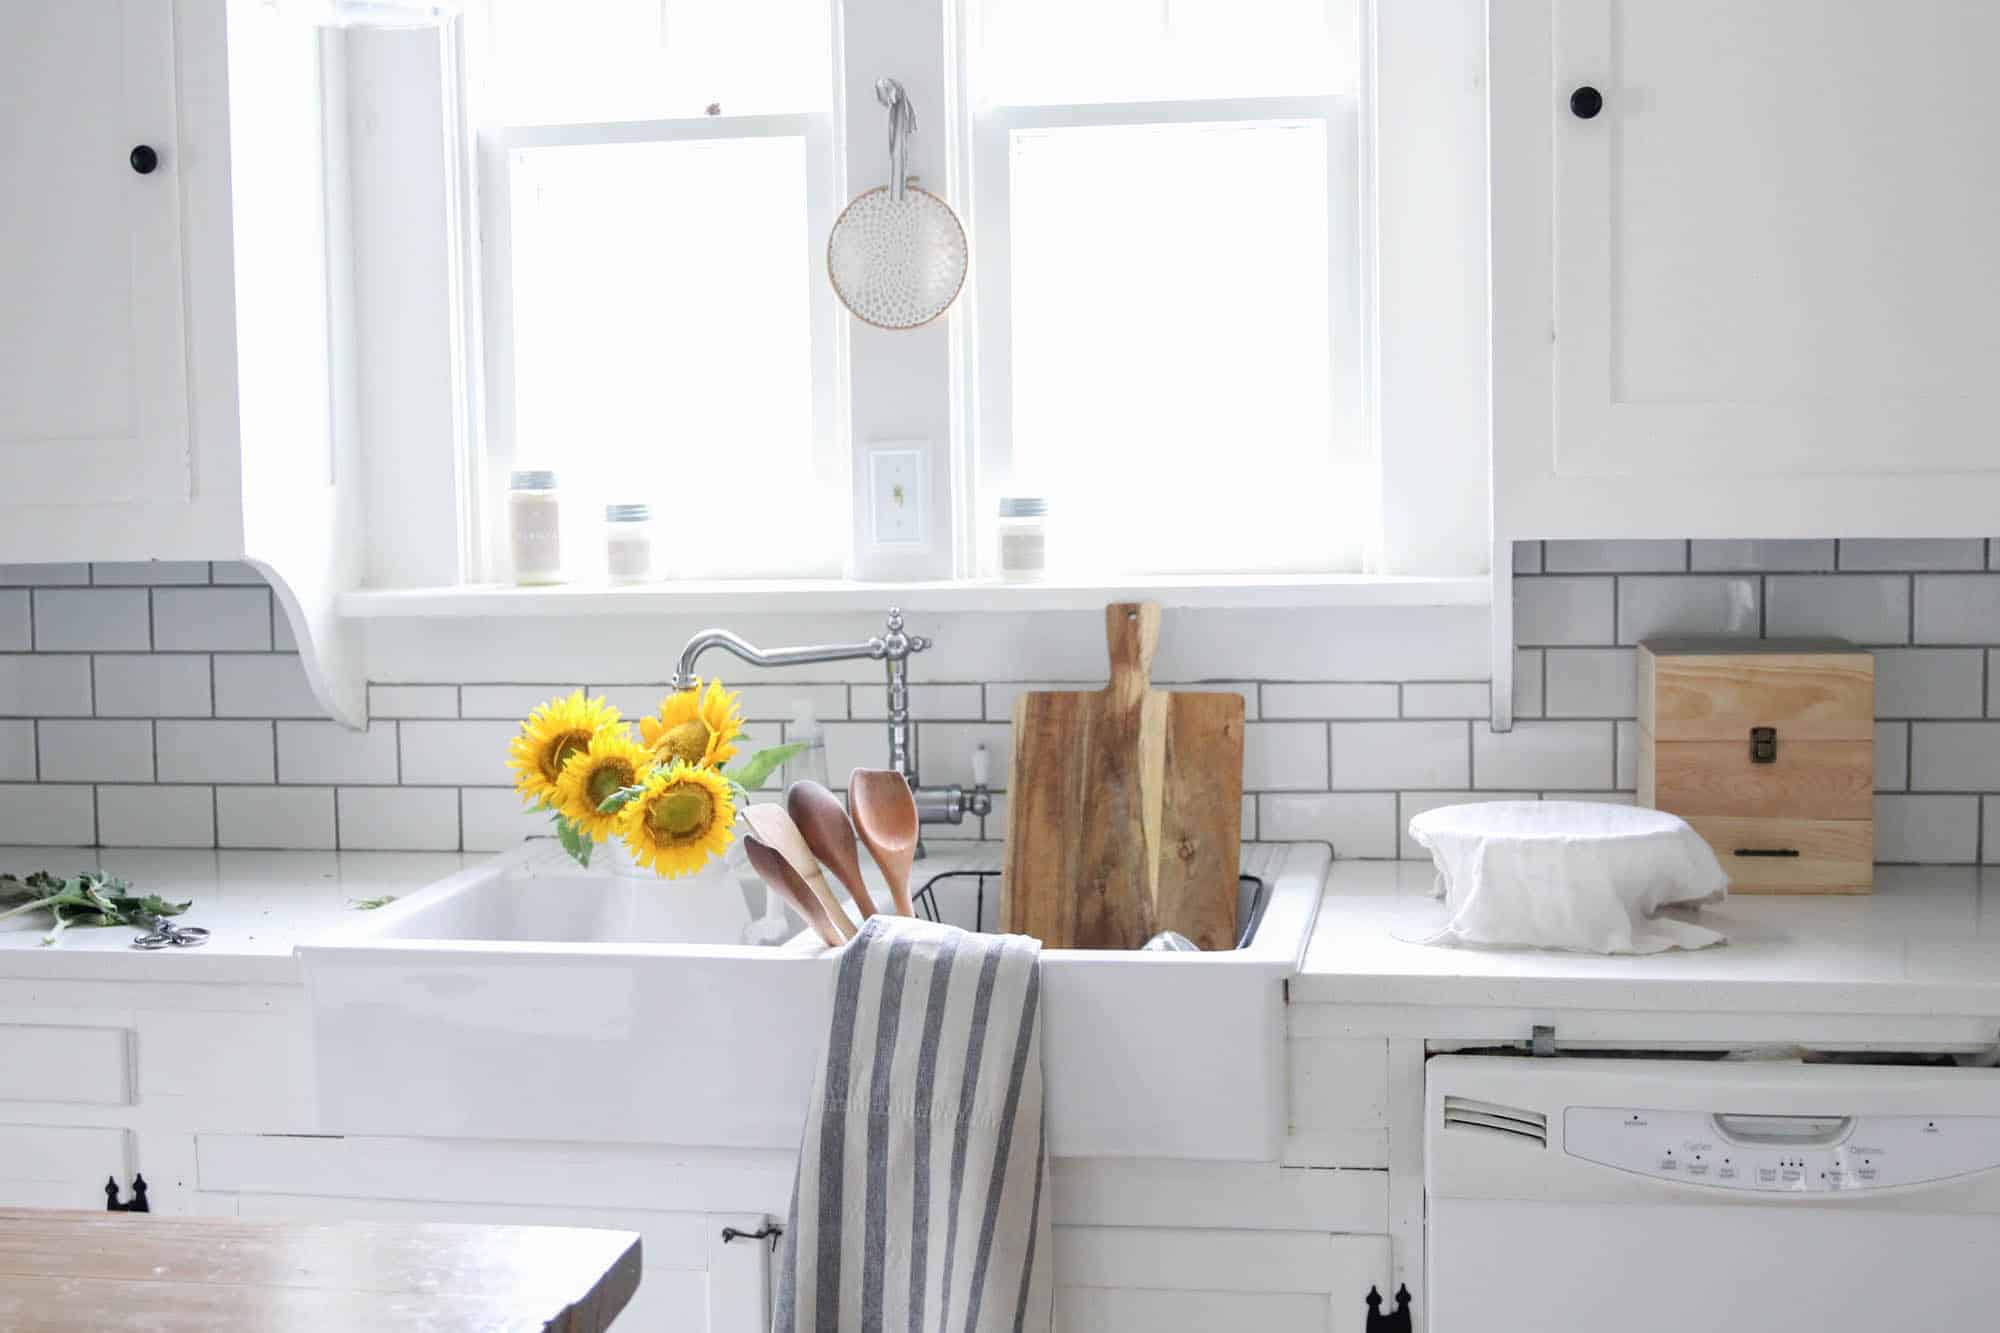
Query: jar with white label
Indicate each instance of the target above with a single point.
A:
(534, 526)
(628, 542)
(1024, 538)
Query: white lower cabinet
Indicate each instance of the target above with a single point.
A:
(62, 1166)
(1171, 1280)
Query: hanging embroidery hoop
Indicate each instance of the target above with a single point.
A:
(897, 255)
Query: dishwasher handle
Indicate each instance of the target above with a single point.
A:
(1786, 1131)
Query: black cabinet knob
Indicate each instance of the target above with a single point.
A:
(144, 159)
(1586, 102)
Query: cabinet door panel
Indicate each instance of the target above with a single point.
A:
(59, 1166)
(93, 378)
(1773, 248)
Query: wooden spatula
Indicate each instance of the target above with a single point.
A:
(885, 815)
(830, 837)
(778, 832)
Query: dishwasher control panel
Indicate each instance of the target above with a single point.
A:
(1788, 1154)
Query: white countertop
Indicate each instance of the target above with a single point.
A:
(1927, 941)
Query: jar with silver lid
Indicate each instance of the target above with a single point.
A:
(1023, 533)
(534, 525)
(628, 542)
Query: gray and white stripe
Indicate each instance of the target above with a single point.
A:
(919, 1202)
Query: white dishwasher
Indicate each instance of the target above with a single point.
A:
(1663, 1196)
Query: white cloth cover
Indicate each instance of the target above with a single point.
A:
(1568, 875)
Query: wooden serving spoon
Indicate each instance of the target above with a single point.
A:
(775, 827)
(886, 815)
(781, 879)
(820, 818)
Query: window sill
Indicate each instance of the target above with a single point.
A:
(1216, 592)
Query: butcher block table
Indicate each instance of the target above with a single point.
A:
(113, 1272)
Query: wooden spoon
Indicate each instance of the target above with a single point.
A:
(781, 879)
(818, 814)
(886, 815)
(775, 827)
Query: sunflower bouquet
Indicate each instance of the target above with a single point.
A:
(666, 793)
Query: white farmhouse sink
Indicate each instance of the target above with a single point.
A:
(524, 999)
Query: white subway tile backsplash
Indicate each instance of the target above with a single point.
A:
(1541, 755)
(283, 639)
(1734, 556)
(1614, 557)
(83, 750)
(219, 619)
(1527, 557)
(43, 576)
(413, 701)
(1892, 756)
(1958, 608)
(139, 816)
(280, 817)
(17, 629)
(91, 620)
(1410, 804)
(1626, 737)
(148, 573)
(47, 816)
(852, 745)
(1698, 604)
(1280, 756)
(1927, 829)
(1925, 554)
(397, 819)
(1528, 668)
(1929, 682)
(1289, 700)
(513, 701)
(152, 685)
(17, 751)
(944, 750)
(457, 753)
(1360, 825)
(262, 685)
(1866, 608)
(943, 703)
(1989, 830)
(1470, 698)
(1955, 756)
(495, 819)
(233, 571)
(330, 754)
(1398, 754)
(44, 685)
(210, 750)
(1592, 682)
(1564, 611)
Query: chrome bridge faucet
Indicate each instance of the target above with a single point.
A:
(895, 647)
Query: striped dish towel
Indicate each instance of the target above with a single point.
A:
(919, 1203)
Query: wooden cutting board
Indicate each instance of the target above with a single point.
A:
(1124, 806)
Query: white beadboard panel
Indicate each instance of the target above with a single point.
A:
(1927, 829)
(495, 819)
(1461, 698)
(1287, 756)
(511, 701)
(470, 753)
(330, 754)
(47, 816)
(1958, 608)
(1291, 700)
(1410, 804)
(1527, 557)
(220, 619)
(1538, 755)
(1787, 556)
(940, 703)
(44, 685)
(233, 571)
(1627, 777)
(91, 620)
(1614, 557)
(396, 701)
(17, 630)
(1892, 756)
(212, 750)
(17, 751)
(142, 816)
(148, 573)
(1564, 611)
(152, 685)
(1929, 682)
(1930, 553)
(1360, 825)
(1592, 682)
(262, 685)
(1400, 754)
(1697, 604)
(1955, 756)
(1867, 608)
(275, 817)
(397, 819)
(85, 750)
(944, 753)
(1528, 700)
(44, 576)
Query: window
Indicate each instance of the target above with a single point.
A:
(1166, 255)
(656, 185)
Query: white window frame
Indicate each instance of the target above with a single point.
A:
(989, 346)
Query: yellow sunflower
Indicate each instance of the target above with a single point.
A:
(552, 733)
(614, 760)
(682, 817)
(695, 727)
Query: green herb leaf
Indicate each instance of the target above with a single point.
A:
(370, 904)
(87, 899)
(757, 770)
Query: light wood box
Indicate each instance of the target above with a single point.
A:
(1794, 814)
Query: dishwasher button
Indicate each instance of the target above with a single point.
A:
(1669, 1164)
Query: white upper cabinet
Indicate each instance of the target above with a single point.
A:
(1746, 264)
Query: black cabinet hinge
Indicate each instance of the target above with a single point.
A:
(137, 1203)
(1397, 1320)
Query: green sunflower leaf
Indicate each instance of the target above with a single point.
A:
(755, 771)
(574, 841)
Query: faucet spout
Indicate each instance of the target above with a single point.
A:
(876, 649)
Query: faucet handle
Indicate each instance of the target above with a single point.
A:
(899, 643)
(982, 766)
